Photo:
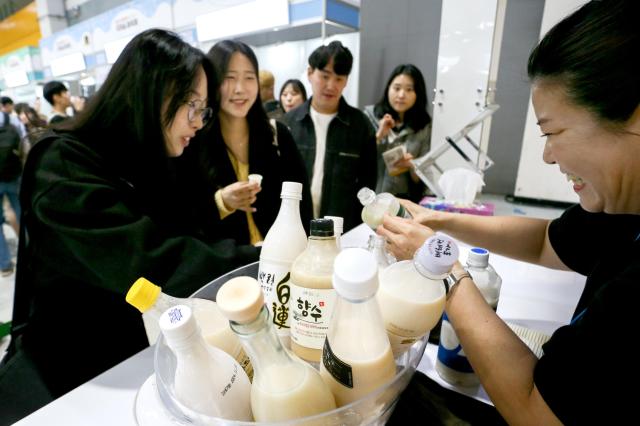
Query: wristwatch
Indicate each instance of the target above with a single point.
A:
(452, 279)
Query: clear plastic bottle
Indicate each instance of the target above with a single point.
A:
(375, 206)
(452, 364)
(207, 380)
(376, 246)
(284, 387)
(149, 299)
(412, 292)
(356, 357)
(338, 228)
(312, 294)
(285, 240)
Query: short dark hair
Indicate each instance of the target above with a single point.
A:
(342, 58)
(5, 100)
(154, 76)
(53, 88)
(593, 54)
(297, 86)
(417, 116)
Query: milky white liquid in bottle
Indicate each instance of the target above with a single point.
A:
(215, 330)
(207, 380)
(284, 386)
(412, 293)
(285, 240)
(356, 357)
(375, 206)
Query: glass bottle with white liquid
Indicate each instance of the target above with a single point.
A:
(452, 364)
(356, 357)
(312, 293)
(149, 299)
(207, 380)
(285, 240)
(375, 206)
(284, 387)
(412, 292)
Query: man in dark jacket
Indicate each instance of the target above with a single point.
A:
(336, 141)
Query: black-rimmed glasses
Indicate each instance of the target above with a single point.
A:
(195, 109)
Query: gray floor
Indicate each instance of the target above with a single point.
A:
(501, 208)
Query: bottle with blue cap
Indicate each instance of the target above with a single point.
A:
(356, 356)
(413, 292)
(452, 364)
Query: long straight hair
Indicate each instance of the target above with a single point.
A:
(417, 117)
(220, 56)
(126, 119)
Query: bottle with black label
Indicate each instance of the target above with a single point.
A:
(356, 357)
(284, 387)
(452, 364)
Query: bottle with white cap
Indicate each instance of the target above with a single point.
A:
(284, 387)
(452, 364)
(375, 206)
(149, 299)
(356, 356)
(207, 380)
(285, 240)
(338, 228)
(412, 292)
(312, 294)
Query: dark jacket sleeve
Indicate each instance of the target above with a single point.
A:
(368, 166)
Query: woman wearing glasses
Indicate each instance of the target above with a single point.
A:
(243, 141)
(101, 208)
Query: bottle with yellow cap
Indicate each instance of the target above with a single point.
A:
(284, 387)
(149, 299)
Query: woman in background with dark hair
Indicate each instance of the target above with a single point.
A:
(242, 142)
(403, 125)
(586, 96)
(292, 94)
(101, 208)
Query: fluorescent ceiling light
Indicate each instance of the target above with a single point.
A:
(245, 18)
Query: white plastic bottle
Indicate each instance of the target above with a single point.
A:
(312, 293)
(338, 228)
(452, 364)
(149, 299)
(356, 357)
(284, 387)
(285, 240)
(375, 206)
(207, 380)
(412, 292)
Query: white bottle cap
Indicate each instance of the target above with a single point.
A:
(355, 274)
(178, 324)
(240, 299)
(291, 190)
(366, 196)
(338, 224)
(478, 257)
(438, 254)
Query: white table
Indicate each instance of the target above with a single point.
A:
(529, 293)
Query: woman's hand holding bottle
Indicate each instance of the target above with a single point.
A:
(404, 236)
(385, 124)
(240, 196)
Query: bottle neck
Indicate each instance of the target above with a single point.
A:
(261, 342)
(193, 344)
(316, 244)
(289, 207)
(164, 302)
(426, 273)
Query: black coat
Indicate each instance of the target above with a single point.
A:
(349, 162)
(276, 164)
(90, 228)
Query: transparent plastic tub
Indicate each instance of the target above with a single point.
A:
(374, 409)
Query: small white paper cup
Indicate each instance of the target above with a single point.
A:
(256, 178)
